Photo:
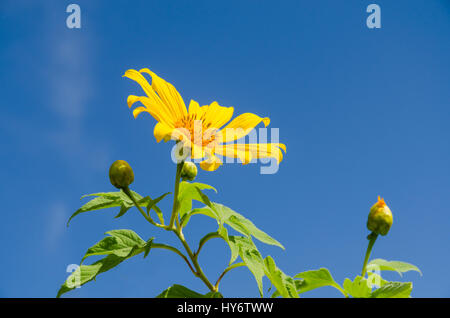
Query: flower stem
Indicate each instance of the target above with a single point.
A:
(175, 195)
(372, 238)
(178, 231)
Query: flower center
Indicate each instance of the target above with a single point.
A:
(200, 133)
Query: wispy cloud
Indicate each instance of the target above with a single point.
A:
(61, 66)
(57, 216)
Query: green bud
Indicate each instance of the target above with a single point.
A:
(121, 174)
(189, 171)
(380, 218)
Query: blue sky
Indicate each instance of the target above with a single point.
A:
(363, 112)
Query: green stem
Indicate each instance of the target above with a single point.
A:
(196, 269)
(199, 271)
(175, 195)
(372, 238)
(226, 271)
(205, 239)
(147, 217)
(173, 249)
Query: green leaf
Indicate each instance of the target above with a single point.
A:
(179, 291)
(235, 220)
(397, 266)
(86, 273)
(204, 211)
(234, 249)
(106, 200)
(120, 243)
(148, 246)
(123, 209)
(152, 205)
(251, 257)
(358, 288)
(119, 246)
(284, 284)
(393, 290)
(192, 191)
(375, 280)
(316, 278)
(213, 295)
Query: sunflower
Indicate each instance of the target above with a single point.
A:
(198, 128)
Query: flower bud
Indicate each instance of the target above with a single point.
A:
(189, 171)
(121, 174)
(380, 218)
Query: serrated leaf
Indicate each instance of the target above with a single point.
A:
(225, 215)
(393, 290)
(357, 288)
(397, 266)
(192, 191)
(86, 273)
(105, 200)
(179, 291)
(251, 257)
(119, 246)
(284, 284)
(119, 243)
(316, 278)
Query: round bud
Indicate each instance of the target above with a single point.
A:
(189, 171)
(380, 218)
(121, 174)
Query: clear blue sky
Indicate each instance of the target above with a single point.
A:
(363, 113)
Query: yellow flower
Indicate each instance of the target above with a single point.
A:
(199, 127)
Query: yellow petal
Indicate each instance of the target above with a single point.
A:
(216, 116)
(197, 152)
(154, 104)
(162, 131)
(254, 151)
(139, 110)
(233, 151)
(211, 164)
(241, 126)
(194, 107)
(168, 94)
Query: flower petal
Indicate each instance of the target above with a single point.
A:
(154, 104)
(211, 164)
(252, 151)
(162, 131)
(194, 107)
(216, 116)
(168, 94)
(232, 151)
(241, 126)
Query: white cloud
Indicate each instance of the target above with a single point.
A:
(56, 217)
